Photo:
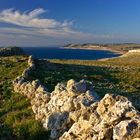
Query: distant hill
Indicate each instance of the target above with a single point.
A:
(10, 51)
(119, 48)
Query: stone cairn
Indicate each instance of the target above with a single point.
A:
(74, 112)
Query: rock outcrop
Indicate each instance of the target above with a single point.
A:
(9, 51)
(134, 51)
(73, 110)
(131, 52)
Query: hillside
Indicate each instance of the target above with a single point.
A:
(74, 110)
(61, 105)
(118, 76)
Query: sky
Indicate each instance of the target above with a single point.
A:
(60, 22)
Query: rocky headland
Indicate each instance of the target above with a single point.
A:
(73, 111)
(9, 51)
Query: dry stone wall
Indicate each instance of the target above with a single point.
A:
(73, 110)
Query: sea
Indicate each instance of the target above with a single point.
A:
(66, 53)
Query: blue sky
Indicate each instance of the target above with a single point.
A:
(58, 22)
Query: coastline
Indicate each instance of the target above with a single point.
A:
(97, 48)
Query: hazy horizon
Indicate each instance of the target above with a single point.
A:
(75, 43)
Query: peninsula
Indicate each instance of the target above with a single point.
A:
(116, 48)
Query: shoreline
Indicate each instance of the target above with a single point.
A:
(96, 48)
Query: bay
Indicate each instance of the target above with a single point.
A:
(62, 53)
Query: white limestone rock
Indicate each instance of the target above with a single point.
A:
(127, 129)
(73, 111)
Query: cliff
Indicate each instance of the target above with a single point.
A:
(73, 110)
(9, 51)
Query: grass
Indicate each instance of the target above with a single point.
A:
(16, 117)
(116, 76)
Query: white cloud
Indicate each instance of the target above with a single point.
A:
(30, 19)
(30, 23)
(32, 29)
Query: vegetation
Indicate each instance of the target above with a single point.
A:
(122, 47)
(16, 117)
(117, 76)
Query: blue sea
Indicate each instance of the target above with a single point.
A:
(62, 53)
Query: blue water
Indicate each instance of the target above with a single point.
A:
(62, 53)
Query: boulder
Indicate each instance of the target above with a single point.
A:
(113, 117)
